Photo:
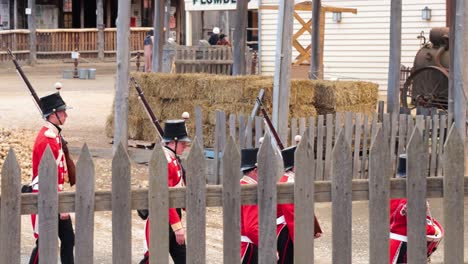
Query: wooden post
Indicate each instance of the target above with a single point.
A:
(82, 14)
(452, 13)
(282, 82)
(108, 12)
(32, 32)
(458, 69)
(188, 28)
(315, 49)
(225, 23)
(167, 15)
(123, 64)
(100, 27)
(393, 86)
(240, 38)
(158, 44)
(15, 15)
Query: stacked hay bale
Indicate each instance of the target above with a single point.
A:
(171, 94)
(20, 141)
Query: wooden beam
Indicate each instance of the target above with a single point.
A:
(108, 12)
(82, 14)
(285, 194)
(15, 14)
(32, 32)
(453, 11)
(159, 7)
(123, 72)
(100, 27)
(240, 38)
(282, 77)
(459, 84)
(314, 56)
(393, 87)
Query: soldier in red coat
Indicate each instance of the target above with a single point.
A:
(176, 141)
(249, 213)
(286, 234)
(398, 225)
(54, 112)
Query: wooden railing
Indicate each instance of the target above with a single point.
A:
(59, 43)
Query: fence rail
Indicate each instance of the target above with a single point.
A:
(59, 43)
(340, 190)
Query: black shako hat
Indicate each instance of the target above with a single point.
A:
(52, 103)
(248, 159)
(288, 157)
(401, 170)
(175, 130)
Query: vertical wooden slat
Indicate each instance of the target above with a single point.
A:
(401, 136)
(393, 133)
(268, 173)
(442, 128)
(258, 130)
(453, 198)
(341, 201)
(196, 206)
(302, 125)
(220, 137)
(416, 202)
(319, 163)
(386, 126)
(241, 131)
(328, 146)
(294, 130)
(348, 128)
(231, 203)
(121, 208)
(304, 201)
(337, 125)
(10, 217)
(84, 208)
(248, 133)
(409, 128)
(374, 125)
(435, 132)
(357, 146)
(379, 196)
(158, 204)
(199, 125)
(365, 139)
(48, 208)
(232, 125)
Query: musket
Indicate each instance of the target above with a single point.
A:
(317, 228)
(70, 164)
(147, 107)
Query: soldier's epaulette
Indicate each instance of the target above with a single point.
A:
(50, 133)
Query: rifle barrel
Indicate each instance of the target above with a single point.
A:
(147, 107)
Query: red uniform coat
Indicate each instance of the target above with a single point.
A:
(175, 179)
(48, 135)
(398, 230)
(249, 220)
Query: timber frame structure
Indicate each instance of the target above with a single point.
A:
(305, 52)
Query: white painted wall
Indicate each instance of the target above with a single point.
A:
(358, 46)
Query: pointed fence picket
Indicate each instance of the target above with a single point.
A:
(341, 190)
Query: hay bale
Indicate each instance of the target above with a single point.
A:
(171, 94)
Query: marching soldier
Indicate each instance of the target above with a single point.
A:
(249, 213)
(54, 112)
(399, 229)
(176, 141)
(286, 234)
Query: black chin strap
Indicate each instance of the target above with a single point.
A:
(58, 118)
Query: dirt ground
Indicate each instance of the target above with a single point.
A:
(92, 102)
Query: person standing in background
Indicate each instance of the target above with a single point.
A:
(213, 40)
(148, 50)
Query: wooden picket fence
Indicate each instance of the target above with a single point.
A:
(341, 190)
(359, 129)
(207, 59)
